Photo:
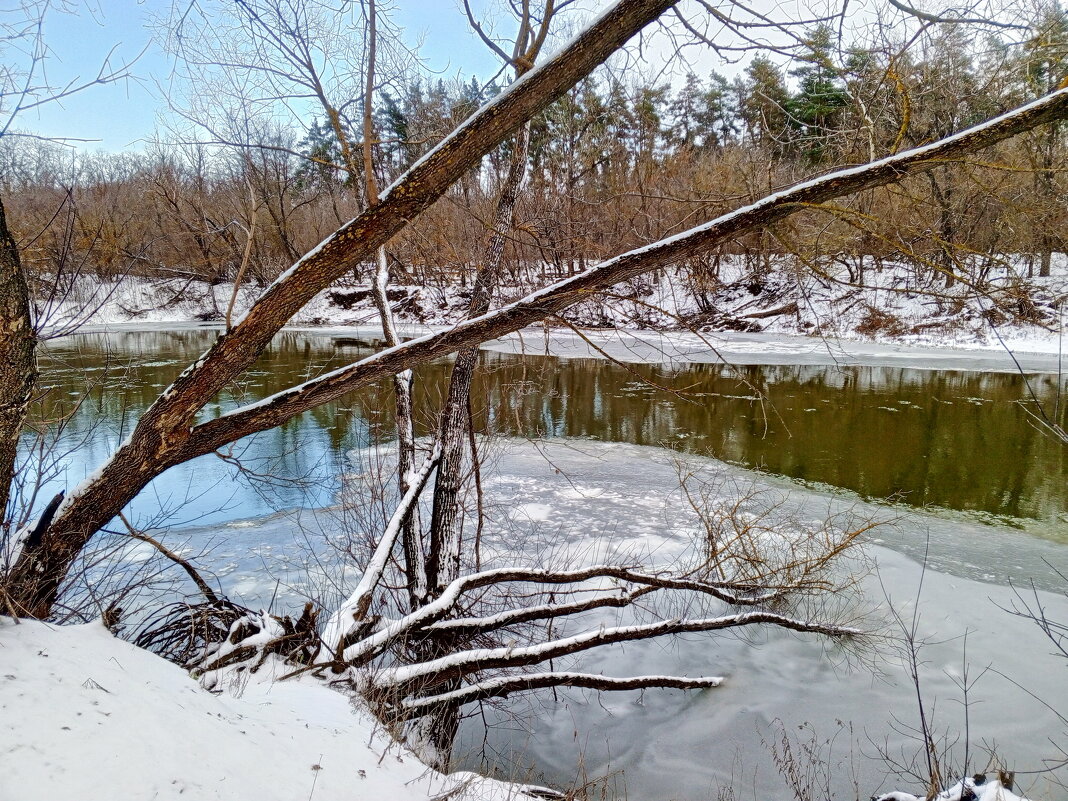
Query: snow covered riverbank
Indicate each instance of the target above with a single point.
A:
(87, 716)
(772, 348)
(831, 326)
(1033, 354)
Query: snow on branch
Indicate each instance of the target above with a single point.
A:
(505, 685)
(409, 678)
(414, 191)
(354, 609)
(617, 595)
(367, 649)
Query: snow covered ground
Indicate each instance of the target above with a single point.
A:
(87, 716)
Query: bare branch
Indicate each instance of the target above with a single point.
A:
(410, 678)
(506, 685)
(926, 16)
(485, 37)
(470, 626)
(355, 608)
(191, 571)
(363, 652)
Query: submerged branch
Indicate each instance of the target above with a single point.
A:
(367, 649)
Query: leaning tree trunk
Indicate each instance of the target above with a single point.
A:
(18, 363)
(438, 728)
(443, 563)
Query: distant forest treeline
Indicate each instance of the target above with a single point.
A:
(614, 164)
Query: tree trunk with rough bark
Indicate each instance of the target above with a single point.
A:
(446, 548)
(446, 522)
(439, 726)
(18, 362)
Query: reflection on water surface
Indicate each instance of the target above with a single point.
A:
(952, 439)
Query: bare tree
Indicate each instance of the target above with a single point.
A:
(164, 436)
(412, 539)
(336, 59)
(503, 630)
(168, 433)
(443, 556)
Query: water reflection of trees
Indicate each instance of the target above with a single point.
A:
(954, 439)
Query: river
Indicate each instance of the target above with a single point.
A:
(951, 455)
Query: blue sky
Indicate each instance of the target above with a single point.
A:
(122, 115)
(118, 116)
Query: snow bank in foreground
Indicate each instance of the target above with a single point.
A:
(87, 716)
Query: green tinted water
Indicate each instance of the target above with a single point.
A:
(956, 440)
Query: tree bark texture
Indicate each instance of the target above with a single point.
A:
(18, 362)
(443, 562)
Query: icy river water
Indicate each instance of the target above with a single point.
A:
(950, 456)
